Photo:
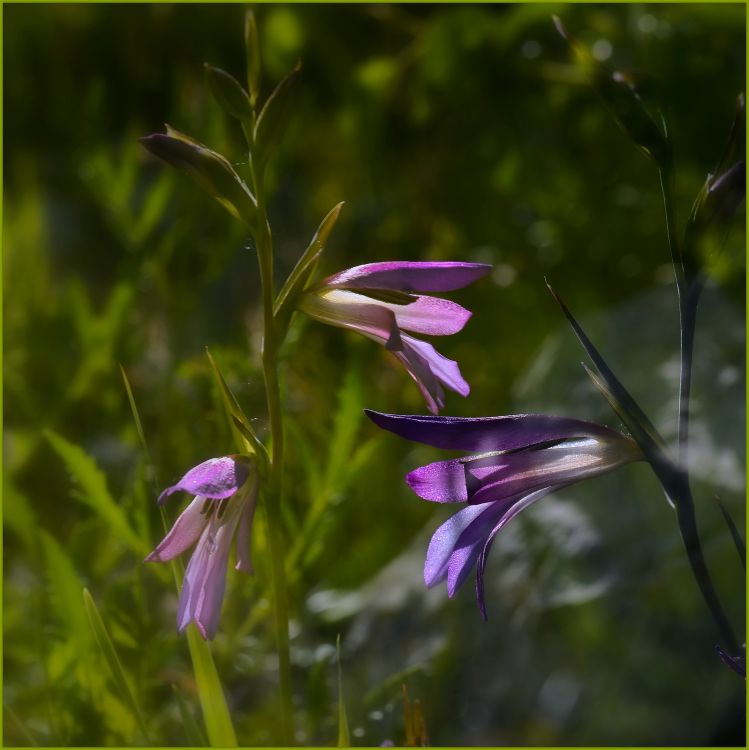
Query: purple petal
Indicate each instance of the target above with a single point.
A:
(440, 482)
(183, 534)
(217, 478)
(355, 312)
(509, 512)
(205, 578)
(430, 315)
(409, 276)
(487, 434)
(498, 476)
(443, 541)
(431, 371)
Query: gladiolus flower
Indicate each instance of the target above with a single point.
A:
(382, 301)
(521, 458)
(225, 492)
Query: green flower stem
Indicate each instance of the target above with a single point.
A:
(676, 481)
(273, 491)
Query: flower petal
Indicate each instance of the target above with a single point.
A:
(440, 482)
(431, 371)
(510, 510)
(353, 311)
(443, 541)
(429, 315)
(407, 276)
(205, 578)
(498, 476)
(183, 534)
(217, 478)
(488, 434)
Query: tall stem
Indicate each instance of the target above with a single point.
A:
(676, 483)
(275, 484)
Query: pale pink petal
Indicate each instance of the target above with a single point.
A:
(353, 311)
(184, 533)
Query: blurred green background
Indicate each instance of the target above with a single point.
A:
(452, 132)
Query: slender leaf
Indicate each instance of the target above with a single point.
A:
(252, 51)
(208, 168)
(244, 435)
(113, 661)
(139, 428)
(192, 730)
(735, 533)
(344, 737)
(275, 117)
(633, 416)
(93, 491)
(216, 714)
(229, 93)
(619, 94)
(303, 270)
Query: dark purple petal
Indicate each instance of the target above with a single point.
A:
(487, 434)
(498, 476)
(440, 482)
(184, 533)
(217, 478)
(443, 541)
(410, 276)
(509, 512)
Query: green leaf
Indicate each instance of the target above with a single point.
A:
(66, 587)
(139, 427)
(244, 435)
(303, 270)
(629, 410)
(208, 168)
(229, 93)
(275, 117)
(252, 49)
(620, 95)
(344, 738)
(192, 730)
(93, 491)
(113, 662)
(735, 533)
(216, 714)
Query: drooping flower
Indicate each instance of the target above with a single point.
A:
(383, 300)
(225, 492)
(520, 459)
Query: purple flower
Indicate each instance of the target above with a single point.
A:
(382, 301)
(520, 459)
(225, 492)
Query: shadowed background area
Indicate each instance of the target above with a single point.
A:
(452, 133)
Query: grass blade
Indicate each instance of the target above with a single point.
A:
(113, 662)
(735, 533)
(216, 715)
(344, 737)
(192, 730)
